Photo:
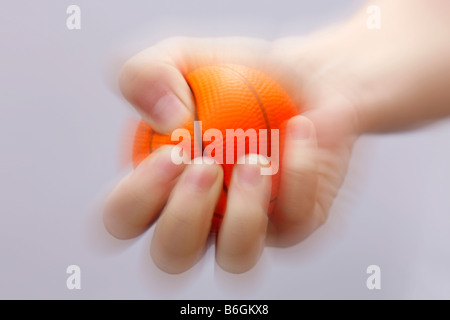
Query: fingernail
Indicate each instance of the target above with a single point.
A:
(249, 175)
(164, 165)
(300, 128)
(201, 177)
(169, 111)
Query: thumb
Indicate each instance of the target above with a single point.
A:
(153, 80)
(154, 85)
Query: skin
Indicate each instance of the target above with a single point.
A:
(348, 80)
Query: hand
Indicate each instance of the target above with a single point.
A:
(348, 80)
(182, 198)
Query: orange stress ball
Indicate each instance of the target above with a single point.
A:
(239, 102)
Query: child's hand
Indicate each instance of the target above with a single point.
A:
(350, 80)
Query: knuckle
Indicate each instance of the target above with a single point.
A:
(129, 72)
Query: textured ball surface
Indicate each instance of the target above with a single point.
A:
(227, 97)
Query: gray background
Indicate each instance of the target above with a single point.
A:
(60, 125)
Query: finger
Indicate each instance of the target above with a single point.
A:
(153, 80)
(136, 202)
(242, 233)
(183, 228)
(295, 211)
